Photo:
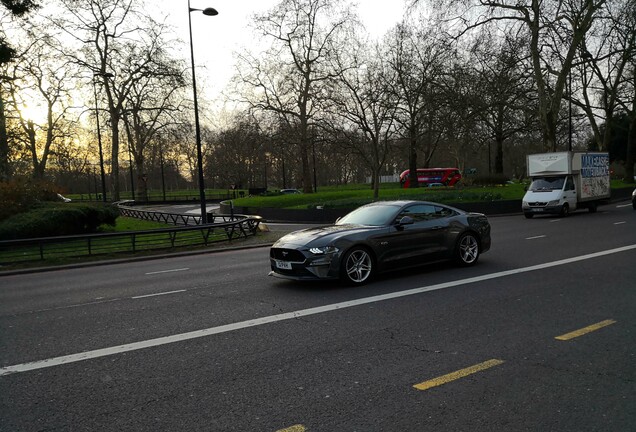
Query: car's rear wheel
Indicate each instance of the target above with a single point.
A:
(357, 266)
(467, 250)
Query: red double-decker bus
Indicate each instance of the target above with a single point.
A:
(432, 177)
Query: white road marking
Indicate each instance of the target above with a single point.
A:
(168, 271)
(96, 302)
(619, 223)
(134, 346)
(623, 205)
(158, 294)
(536, 237)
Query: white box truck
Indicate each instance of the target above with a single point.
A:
(565, 181)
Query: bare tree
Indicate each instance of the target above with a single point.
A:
(239, 155)
(601, 69)
(305, 36)
(366, 109)
(47, 81)
(17, 8)
(417, 58)
(152, 100)
(117, 43)
(555, 30)
(501, 94)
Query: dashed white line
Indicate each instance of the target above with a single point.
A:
(619, 223)
(135, 346)
(167, 271)
(536, 237)
(158, 294)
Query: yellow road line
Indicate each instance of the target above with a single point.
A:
(585, 330)
(294, 428)
(458, 374)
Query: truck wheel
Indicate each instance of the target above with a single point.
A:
(565, 210)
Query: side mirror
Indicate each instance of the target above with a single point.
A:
(338, 219)
(406, 220)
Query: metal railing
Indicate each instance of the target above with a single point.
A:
(156, 216)
(113, 244)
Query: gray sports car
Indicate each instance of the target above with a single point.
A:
(378, 237)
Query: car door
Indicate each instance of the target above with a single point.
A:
(569, 192)
(417, 242)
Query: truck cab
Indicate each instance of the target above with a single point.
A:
(550, 195)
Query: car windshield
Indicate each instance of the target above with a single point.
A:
(547, 184)
(375, 215)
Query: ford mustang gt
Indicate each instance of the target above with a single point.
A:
(379, 237)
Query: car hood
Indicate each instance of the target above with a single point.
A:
(318, 236)
(544, 196)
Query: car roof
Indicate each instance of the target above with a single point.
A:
(399, 202)
(402, 203)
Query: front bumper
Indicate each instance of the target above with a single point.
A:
(543, 210)
(303, 266)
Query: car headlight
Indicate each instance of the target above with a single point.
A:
(324, 250)
(554, 203)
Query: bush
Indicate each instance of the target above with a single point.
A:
(491, 180)
(20, 195)
(51, 220)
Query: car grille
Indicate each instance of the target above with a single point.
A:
(299, 272)
(286, 255)
(537, 204)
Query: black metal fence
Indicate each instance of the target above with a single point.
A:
(112, 244)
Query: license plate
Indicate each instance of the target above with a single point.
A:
(537, 210)
(284, 265)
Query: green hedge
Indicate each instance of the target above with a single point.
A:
(20, 195)
(49, 220)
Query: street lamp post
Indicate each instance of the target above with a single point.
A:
(99, 134)
(570, 111)
(208, 12)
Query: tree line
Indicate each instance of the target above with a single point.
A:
(472, 84)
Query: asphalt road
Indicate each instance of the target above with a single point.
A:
(539, 336)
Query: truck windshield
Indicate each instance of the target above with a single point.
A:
(547, 184)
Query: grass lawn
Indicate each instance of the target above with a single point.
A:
(353, 196)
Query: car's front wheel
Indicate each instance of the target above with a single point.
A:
(357, 266)
(467, 250)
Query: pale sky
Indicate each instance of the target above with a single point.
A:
(215, 38)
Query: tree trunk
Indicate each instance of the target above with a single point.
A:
(142, 179)
(376, 183)
(413, 182)
(114, 163)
